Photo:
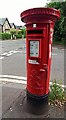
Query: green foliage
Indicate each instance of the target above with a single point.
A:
(60, 26)
(63, 42)
(18, 35)
(0, 35)
(24, 32)
(13, 31)
(20, 32)
(5, 36)
(57, 94)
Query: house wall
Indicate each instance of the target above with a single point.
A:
(6, 27)
(0, 28)
(13, 27)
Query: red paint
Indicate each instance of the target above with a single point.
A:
(39, 27)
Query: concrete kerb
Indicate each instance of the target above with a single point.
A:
(19, 79)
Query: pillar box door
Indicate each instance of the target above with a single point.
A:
(39, 32)
(37, 60)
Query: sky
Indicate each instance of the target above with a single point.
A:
(12, 8)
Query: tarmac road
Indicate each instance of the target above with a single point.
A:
(13, 60)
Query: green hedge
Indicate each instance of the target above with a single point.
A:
(0, 35)
(24, 32)
(5, 36)
(18, 36)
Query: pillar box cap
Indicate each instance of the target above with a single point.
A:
(40, 15)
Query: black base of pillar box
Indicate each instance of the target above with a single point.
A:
(37, 104)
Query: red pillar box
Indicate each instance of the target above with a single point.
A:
(39, 33)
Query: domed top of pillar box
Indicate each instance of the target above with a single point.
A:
(40, 15)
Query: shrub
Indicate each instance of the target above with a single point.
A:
(19, 31)
(57, 95)
(24, 32)
(13, 31)
(18, 35)
(60, 26)
(0, 35)
(5, 36)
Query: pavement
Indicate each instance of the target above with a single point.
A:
(13, 97)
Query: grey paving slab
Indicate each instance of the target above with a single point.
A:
(9, 95)
(17, 110)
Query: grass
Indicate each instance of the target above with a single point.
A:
(63, 42)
